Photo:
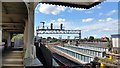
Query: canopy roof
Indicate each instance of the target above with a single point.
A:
(15, 13)
(86, 4)
(13, 16)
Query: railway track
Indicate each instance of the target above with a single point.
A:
(115, 56)
(62, 61)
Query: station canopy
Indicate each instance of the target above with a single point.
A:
(85, 4)
(13, 16)
(15, 13)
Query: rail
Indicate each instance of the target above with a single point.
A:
(66, 63)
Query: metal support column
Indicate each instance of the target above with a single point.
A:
(79, 36)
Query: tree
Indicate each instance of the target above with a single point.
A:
(97, 39)
(109, 45)
(91, 38)
(55, 39)
(85, 39)
(18, 36)
(49, 38)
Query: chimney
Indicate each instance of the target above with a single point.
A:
(51, 26)
(61, 26)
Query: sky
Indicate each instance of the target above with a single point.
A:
(99, 21)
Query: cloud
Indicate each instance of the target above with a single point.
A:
(87, 20)
(101, 20)
(60, 20)
(111, 12)
(77, 9)
(108, 19)
(52, 21)
(99, 7)
(103, 26)
(107, 29)
(56, 23)
(89, 11)
(105, 20)
(82, 9)
(51, 9)
(106, 25)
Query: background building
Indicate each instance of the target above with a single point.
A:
(116, 42)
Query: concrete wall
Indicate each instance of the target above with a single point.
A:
(116, 42)
(116, 45)
(7, 36)
(18, 43)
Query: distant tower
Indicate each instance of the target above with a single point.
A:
(43, 24)
(51, 26)
(61, 26)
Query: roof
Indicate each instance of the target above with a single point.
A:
(115, 36)
(13, 16)
(74, 5)
(15, 13)
(86, 4)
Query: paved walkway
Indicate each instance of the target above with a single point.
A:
(13, 59)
